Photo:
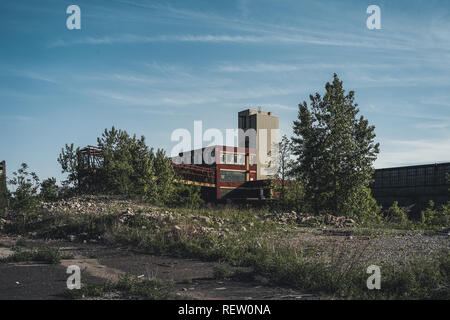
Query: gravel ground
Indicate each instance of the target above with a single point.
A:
(392, 248)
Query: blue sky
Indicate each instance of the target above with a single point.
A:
(151, 67)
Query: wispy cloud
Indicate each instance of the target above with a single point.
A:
(169, 98)
(245, 28)
(294, 66)
(404, 109)
(403, 152)
(225, 38)
(243, 24)
(132, 38)
(18, 118)
(438, 101)
(433, 125)
(153, 100)
(267, 106)
(34, 76)
(260, 67)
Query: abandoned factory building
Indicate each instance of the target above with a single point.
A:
(240, 173)
(243, 172)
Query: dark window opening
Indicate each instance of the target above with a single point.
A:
(232, 176)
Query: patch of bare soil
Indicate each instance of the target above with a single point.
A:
(94, 268)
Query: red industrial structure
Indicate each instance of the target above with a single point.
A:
(93, 157)
(228, 173)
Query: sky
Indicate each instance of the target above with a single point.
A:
(150, 67)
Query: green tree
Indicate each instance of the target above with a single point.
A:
(287, 185)
(127, 167)
(117, 171)
(49, 190)
(335, 151)
(294, 196)
(25, 195)
(74, 164)
(143, 175)
(165, 176)
(186, 196)
(284, 164)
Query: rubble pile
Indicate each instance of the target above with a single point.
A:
(196, 225)
(187, 224)
(308, 220)
(194, 230)
(339, 222)
(162, 216)
(91, 204)
(3, 223)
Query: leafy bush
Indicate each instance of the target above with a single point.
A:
(433, 217)
(395, 214)
(127, 167)
(49, 190)
(290, 195)
(186, 196)
(24, 198)
(369, 212)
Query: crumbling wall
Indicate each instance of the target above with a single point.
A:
(3, 188)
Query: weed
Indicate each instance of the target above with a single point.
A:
(21, 243)
(221, 271)
(126, 287)
(46, 255)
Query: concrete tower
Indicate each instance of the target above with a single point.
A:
(265, 129)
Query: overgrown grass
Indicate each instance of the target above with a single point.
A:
(127, 287)
(251, 242)
(221, 270)
(45, 255)
(284, 266)
(60, 225)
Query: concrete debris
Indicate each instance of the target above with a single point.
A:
(3, 223)
(132, 212)
(94, 205)
(311, 221)
(204, 219)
